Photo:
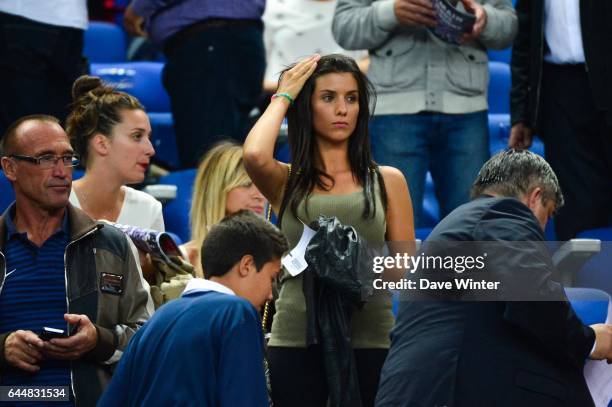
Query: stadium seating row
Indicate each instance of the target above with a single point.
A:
(107, 42)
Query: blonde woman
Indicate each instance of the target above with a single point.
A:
(222, 187)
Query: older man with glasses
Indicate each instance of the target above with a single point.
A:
(71, 294)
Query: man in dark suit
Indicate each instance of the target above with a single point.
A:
(496, 353)
(562, 90)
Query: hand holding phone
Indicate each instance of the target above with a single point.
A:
(49, 333)
(81, 339)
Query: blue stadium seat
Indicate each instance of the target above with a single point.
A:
(499, 133)
(143, 80)
(499, 87)
(176, 212)
(431, 208)
(104, 42)
(7, 196)
(590, 304)
(422, 233)
(597, 272)
(503, 55)
(164, 142)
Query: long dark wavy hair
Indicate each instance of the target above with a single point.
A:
(304, 174)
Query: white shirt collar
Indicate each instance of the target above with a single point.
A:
(199, 284)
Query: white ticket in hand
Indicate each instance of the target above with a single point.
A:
(294, 261)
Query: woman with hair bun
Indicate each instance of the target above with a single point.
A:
(110, 131)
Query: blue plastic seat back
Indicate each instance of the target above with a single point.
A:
(140, 79)
(500, 55)
(590, 304)
(176, 212)
(104, 42)
(163, 140)
(7, 195)
(499, 87)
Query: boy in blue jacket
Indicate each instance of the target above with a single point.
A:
(206, 348)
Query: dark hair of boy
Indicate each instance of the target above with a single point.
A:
(239, 235)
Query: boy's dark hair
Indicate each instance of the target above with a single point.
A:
(236, 236)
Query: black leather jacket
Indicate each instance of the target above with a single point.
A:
(530, 47)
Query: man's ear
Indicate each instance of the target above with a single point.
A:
(247, 263)
(533, 197)
(100, 144)
(10, 168)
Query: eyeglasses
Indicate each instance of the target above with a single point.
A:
(49, 160)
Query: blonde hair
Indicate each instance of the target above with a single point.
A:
(220, 171)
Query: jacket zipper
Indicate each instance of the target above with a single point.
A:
(3, 271)
(68, 300)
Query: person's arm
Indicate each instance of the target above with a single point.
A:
(399, 217)
(268, 174)
(521, 133)
(501, 23)
(139, 11)
(364, 24)
(146, 8)
(241, 378)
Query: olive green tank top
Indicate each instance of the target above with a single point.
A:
(370, 326)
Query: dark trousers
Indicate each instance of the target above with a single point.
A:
(214, 78)
(578, 146)
(38, 64)
(298, 378)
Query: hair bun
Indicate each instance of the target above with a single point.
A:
(85, 84)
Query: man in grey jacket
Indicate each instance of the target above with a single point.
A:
(432, 95)
(60, 269)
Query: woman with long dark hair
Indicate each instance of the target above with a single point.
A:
(328, 103)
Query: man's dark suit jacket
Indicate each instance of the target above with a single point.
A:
(530, 47)
(460, 353)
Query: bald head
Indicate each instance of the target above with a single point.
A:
(12, 141)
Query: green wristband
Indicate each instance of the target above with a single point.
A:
(284, 95)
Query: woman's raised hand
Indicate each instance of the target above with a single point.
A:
(293, 80)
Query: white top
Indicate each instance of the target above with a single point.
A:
(295, 29)
(65, 13)
(562, 31)
(199, 284)
(139, 209)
